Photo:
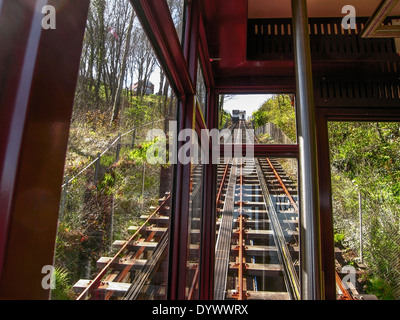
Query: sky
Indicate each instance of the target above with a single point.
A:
(248, 102)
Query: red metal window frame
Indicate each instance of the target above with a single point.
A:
(181, 66)
(325, 115)
(39, 69)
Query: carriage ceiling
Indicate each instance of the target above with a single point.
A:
(226, 29)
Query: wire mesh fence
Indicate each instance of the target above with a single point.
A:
(104, 198)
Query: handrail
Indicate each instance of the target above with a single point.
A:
(96, 281)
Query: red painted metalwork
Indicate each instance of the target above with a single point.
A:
(210, 211)
(39, 70)
(255, 84)
(179, 218)
(34, 63)
(268, 150)
(191, 44)
(159, 27)
(327, 240)
(204, 56)
(13, 63)
(240, 233)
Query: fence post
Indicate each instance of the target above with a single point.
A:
(63, 199)
(96, 170)
(118, 147)
(133, 138)
(143, 180)
(360, 217)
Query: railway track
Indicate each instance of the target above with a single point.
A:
(257, 247)
(259, 214)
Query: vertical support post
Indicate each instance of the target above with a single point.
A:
(209, 220)
(133, 138)
(310, 249)
(112, 221)
(118, 147)
(180, 219)
(143, 180)
(96, 169)
(63, 199)
(325, 202)
(361, 225)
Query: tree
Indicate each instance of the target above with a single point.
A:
(117, 99)
(280, 111)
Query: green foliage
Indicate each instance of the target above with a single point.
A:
(107, 183)
(143, 110)
(280, 111)
(62, 290)
(339, 238)
(365, 159)
(107, 160)
(380, 288)
(368, 154)
(225, 119)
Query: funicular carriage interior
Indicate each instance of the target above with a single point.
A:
(293, 47)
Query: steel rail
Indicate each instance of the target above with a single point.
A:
(241, 295)
(151, 264)
(294, 204)
(293, 284)
(196, 275)
(122, 275)
(194, 283)
(346, 295)
(221, 186)
(96, 281)
(291, 277)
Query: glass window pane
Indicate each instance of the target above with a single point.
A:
(201, 90)
(365, 163)
(195, 214)
(273, 117)
(116, 200)
(177, 8)
(257, 229)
